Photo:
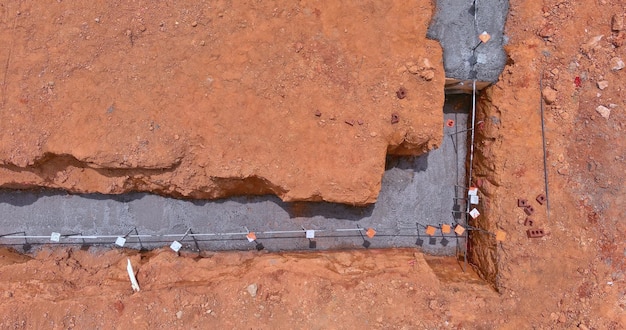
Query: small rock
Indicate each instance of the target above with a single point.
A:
(179, 315)
(433, 305)
(554, 317)
(547, 30)
(555, 71)
(373, 134)
(428, 75)
(619, 39)
(549, 95)
(562, 318)
(563, 170)
(194, 24)
(617, 22)
(176, 137)
(591, 43)
(413, 69)
(603, 111)
(617, 64)
(252, 289)
(97, 20)
(583, 327)
(603, 84)
(427, 64)
(379, 319)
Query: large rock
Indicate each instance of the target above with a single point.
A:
(204, 102)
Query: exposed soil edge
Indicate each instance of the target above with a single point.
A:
(483, 248)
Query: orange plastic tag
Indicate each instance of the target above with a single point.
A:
(430, 230)
(370, 232)
(484, 37)
(445, 229)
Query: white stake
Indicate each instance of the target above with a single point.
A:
(133, 279)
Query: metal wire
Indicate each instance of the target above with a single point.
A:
(269, 233)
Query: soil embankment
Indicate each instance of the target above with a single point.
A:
(205, 101)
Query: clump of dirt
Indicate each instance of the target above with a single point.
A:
(65, 288)
(209, 100)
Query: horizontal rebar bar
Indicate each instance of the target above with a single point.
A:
(380, 232)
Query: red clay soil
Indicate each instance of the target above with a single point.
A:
(210, 99)
(572, 278)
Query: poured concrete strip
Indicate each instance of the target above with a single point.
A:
(414, 190)
(457, 25)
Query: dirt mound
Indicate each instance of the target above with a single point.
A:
(73, 289)
(204, 101)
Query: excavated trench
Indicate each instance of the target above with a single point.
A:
(482, 249)
(416, 191)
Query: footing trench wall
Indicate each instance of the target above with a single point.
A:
(483, 248)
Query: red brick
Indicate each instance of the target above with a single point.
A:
(522, 202)
(529, 210)
(541, 199)
(535, 233)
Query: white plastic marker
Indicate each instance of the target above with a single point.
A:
(176, 246)
(120, 241)
(131, 274)
(55, 237)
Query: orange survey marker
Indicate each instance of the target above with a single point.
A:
(484, 37)
(500, 236)
(370, 232)
(459, 230)
(445, 229)
(450, 123)
(430, 230)
(251, 237)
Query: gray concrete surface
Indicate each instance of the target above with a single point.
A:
(457, 25)
(414, 190)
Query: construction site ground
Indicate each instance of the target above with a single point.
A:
(572, 278)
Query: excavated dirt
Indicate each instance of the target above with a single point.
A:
(210, 99)
(572, 278)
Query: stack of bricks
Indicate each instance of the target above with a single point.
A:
(529, 210)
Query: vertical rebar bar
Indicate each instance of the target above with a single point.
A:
(471, 164)
(543, 138)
